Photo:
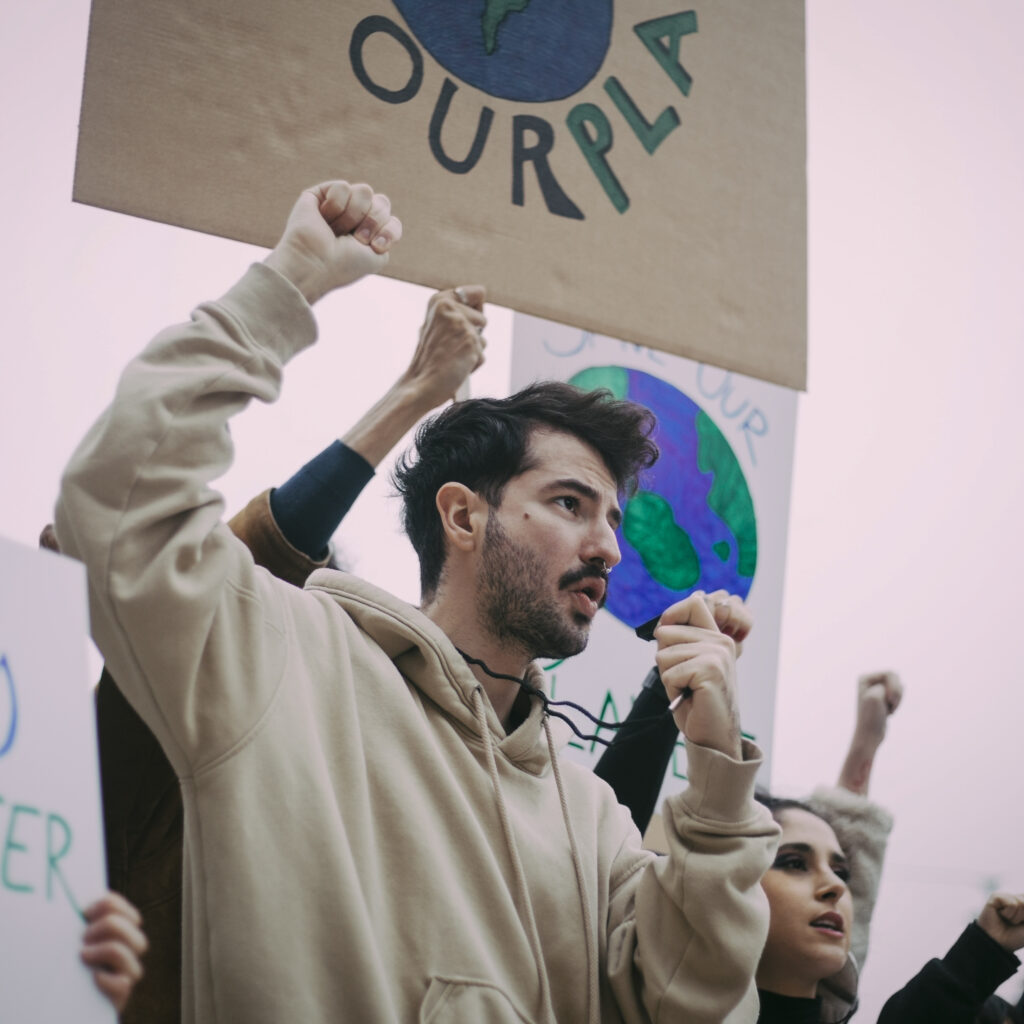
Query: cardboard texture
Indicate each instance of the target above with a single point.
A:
(633, 169)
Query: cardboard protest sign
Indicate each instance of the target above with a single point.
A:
(636, 169)
(51, 842)
(711, 515)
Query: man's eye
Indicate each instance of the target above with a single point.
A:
(568, 502)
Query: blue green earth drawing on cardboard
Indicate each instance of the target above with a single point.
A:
(531, 51)
(691, 526)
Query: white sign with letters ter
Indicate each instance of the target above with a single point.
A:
(711, 515)
(51, 840)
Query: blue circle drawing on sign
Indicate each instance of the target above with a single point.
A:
(532, 51)
(8, 707)
(691, 525)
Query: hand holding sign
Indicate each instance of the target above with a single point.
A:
(449, 349)
(450, 346)
(51, 844)
(113, 946)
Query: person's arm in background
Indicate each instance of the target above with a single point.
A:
(861, 826)
(878, 696)
(953, 989)
(638, 756)
(288, 529)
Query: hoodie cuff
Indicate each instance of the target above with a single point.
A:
(721, 788)
(257, 528)
(979, 961)
(272, 310)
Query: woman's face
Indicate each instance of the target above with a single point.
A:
(811, 908)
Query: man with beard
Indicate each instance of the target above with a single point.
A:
(378, 826)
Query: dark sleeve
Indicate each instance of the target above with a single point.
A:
(309, 506)
(144, 824)
(636, 760)
(951, 990)
(256, 527)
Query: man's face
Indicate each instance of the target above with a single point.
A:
(543, 573)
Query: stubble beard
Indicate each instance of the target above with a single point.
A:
(513, 607)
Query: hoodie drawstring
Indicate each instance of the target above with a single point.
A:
(522, 893)
(593, 995)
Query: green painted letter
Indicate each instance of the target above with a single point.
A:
(10, 844)
(654, 33)
(52, 858)
(594, 149)
(650, 135)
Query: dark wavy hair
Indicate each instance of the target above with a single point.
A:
(485, 442)
(777, 804)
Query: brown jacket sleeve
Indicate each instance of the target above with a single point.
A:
(256, 527)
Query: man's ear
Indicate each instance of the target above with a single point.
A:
(463, 515)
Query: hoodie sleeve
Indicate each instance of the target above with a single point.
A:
(190, 628)
(686, 933)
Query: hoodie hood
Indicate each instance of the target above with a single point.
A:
(429, 661)
(423, 653)
(838, 993)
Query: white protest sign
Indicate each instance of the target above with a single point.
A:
(712, 514)
(51, 843)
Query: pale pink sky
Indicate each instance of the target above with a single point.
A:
(908, 484)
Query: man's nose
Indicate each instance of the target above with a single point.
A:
(604, 547)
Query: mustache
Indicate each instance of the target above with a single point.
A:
(586, 572)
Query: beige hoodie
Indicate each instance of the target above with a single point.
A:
(363, 841)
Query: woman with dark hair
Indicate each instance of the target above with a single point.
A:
(635, 763)
(806, 974)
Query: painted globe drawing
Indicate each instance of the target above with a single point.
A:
(532, 51)
(691, 525)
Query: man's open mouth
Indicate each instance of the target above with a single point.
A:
(588, 595)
